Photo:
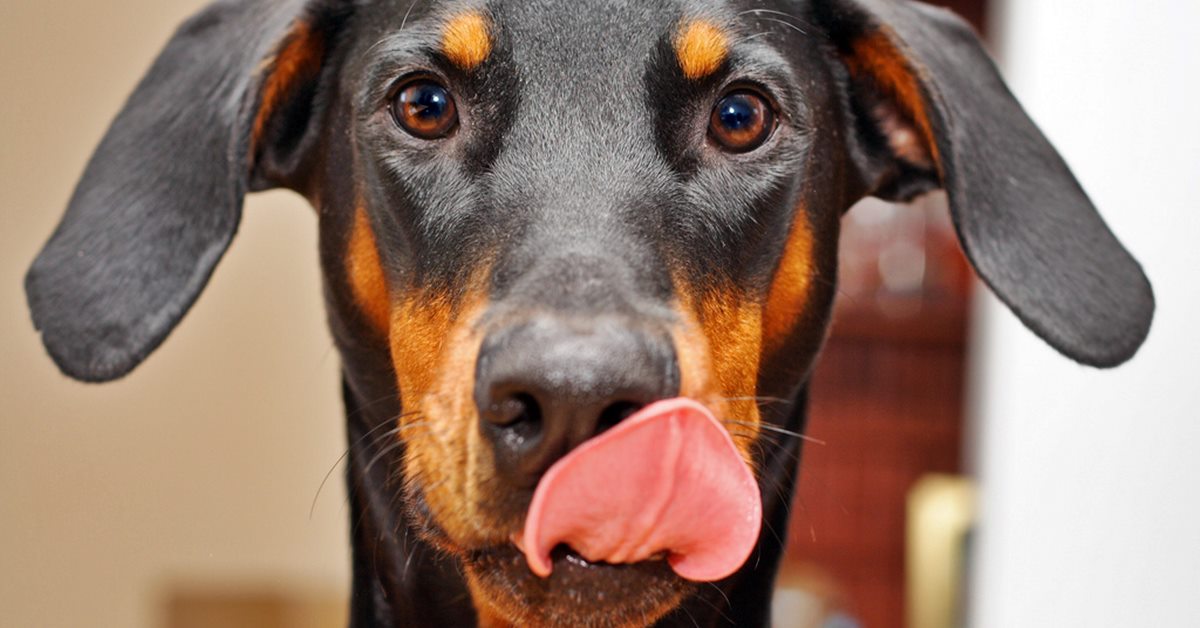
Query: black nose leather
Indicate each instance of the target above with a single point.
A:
(548, 384)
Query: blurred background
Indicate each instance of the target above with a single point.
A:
(968, 476)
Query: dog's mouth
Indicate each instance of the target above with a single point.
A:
(570, 565)
(625, 524)
(590, 593)
(562, 551)
(633, 516)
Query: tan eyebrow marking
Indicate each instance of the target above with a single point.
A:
(701, 48)
(466, 40)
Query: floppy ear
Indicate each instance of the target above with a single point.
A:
(226, 106)
(930, 110)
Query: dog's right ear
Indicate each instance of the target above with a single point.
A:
(227, 106)
(929, 109)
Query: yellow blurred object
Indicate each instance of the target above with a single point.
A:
(941, 514)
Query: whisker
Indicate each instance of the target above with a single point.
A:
(342, 458)
(412, 553)
(780, 491)
(787, 24)
(400, 494)
(719, 610)
(771, 529)
(794, 456)
(757, 448)
(772, 12)
(324, 358)
(689, 616)
(777, 430)
(722, 592)
(803, 437)
(370, 404)
(328, 474)
(407, 13)
(383, 452)
(339, 461)
(759, 400)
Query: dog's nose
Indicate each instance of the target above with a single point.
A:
(546, 385)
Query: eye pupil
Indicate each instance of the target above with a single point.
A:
(741, 122)
(425, 109)
(430, 101)
(736, 114)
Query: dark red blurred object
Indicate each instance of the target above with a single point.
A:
(887, 400)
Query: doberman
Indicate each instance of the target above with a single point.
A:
(538, 218)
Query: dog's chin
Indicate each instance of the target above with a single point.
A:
(578, 592)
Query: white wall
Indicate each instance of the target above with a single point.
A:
(1091, 480)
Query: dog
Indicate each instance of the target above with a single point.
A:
(539, 219)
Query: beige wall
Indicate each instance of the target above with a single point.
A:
(201, 466)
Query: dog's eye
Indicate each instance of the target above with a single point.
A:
(742, 121)
(425, 109)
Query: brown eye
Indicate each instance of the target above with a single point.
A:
(425, 109)
(741, 122)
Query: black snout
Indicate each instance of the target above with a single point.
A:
(546, 385)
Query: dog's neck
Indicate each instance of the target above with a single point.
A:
(400, 580)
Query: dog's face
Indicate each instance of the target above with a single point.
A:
(558, 213)
(538, 217)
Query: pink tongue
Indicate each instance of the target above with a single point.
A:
(667, 479)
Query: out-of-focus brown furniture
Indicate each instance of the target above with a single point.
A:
(887, 401)
(887, 404)
(245, 605)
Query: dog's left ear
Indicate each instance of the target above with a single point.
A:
(929, 109)
(229, 105)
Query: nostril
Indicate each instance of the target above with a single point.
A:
(615, 413)
(519, 412)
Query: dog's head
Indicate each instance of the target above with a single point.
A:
(546, 215)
